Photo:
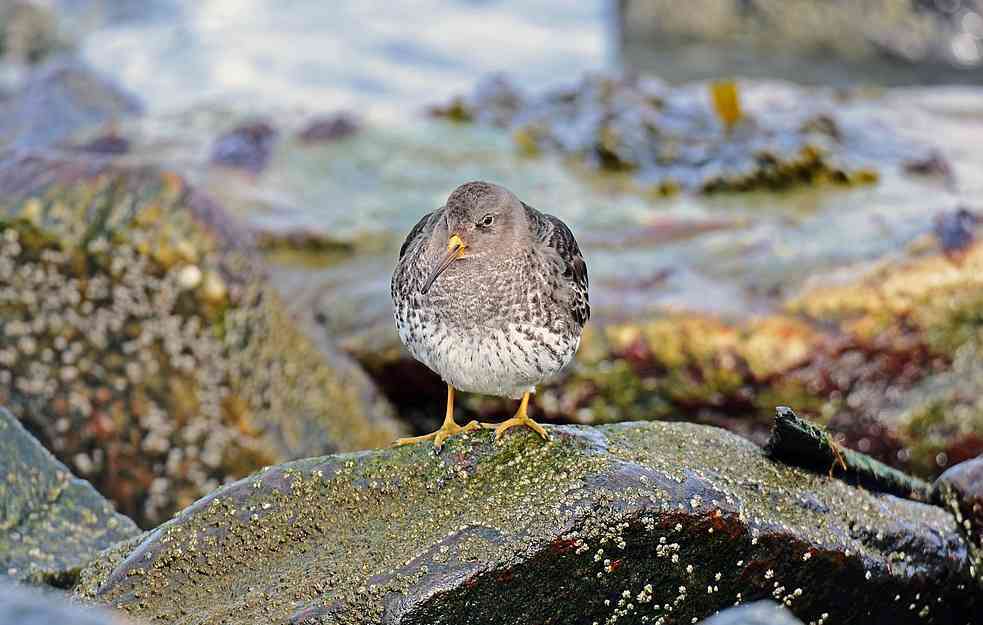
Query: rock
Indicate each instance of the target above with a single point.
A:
(52, 523)
(956, 230)
(961, 489)
(670, 138)
(759, 613)
(247, 147)
(110, 144)
(58, 101)
(872, 41)
(933, 165)
(144, 346)
(620, 522)
(20, 605)
(301, 242)
(495, 101)
(331, 128)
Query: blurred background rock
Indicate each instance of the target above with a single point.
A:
(834, 42)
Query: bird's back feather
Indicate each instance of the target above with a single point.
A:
(558, 238)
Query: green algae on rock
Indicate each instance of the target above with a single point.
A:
(670, 139)
(143, 344)
(51, 523)
(626, 523)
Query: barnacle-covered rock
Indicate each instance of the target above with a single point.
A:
(143, 345)
(51, 523)
(625, 523)
(671, 138)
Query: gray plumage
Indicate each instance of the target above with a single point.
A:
(508, 314)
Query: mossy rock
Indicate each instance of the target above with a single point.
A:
(51, 523)
(143, 343)
(627, 522)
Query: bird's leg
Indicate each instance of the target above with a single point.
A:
(447, 429)
(521, 418)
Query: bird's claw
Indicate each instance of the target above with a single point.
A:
(439, 436)
(501, 428)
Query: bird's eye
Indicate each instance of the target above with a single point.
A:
(487, 221)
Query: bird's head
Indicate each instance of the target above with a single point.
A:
(482, 220)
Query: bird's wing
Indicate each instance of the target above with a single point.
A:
(415, 241)
(417, 234)
(558, 237)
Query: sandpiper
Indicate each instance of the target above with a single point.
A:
(491, 294)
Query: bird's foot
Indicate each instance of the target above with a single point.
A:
(446, 431)
(501, 428)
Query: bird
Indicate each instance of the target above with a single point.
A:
(492, 295)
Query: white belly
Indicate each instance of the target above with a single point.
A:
(506, 361)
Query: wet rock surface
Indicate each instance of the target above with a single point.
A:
(671, 138)
(142, 343)
(51, 523)
(623, 523)
(20, 605)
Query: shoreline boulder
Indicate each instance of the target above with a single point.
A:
(627, 523)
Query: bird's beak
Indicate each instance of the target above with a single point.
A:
(455, 249)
